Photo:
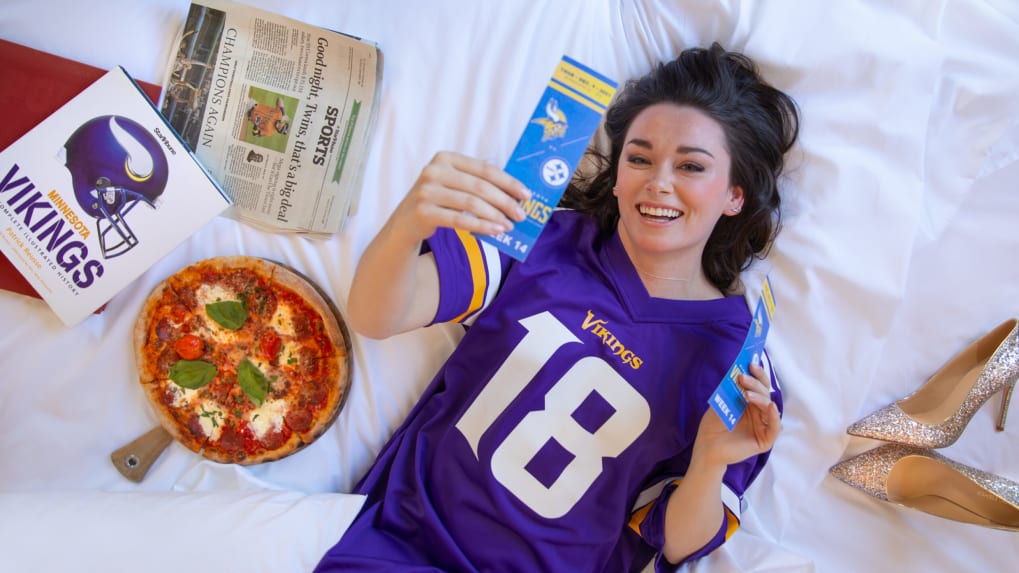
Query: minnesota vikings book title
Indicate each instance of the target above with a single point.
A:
(551, 147)
(96, 193)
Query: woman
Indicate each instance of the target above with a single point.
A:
(570, 430)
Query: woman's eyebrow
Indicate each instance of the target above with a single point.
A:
(681, 149)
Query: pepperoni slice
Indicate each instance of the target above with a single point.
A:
(230, 439)
(273, 440)
(299, 420)
(165, 330)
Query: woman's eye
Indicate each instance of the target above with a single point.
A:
(694, 167)
(637, 160)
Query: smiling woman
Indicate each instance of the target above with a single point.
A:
(561, 406)
(734, 126)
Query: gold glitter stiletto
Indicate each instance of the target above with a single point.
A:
(935, 415)
(922, 479)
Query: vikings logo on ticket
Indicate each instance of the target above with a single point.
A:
(552, 146)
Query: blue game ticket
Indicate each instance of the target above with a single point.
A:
(552, 146)
(728, 400)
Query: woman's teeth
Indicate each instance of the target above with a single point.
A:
(658, 212)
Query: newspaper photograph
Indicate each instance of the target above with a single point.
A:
(280, 112)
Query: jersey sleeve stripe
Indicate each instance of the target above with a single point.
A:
(493, 264)
(645, 501)
(651, 493)
(638, 517)
(732, 504)
(731, 523)
(732, 501)
(476, 261)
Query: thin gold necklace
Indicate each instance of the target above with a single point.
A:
(662, 277)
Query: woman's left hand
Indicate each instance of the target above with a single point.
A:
(756, 431)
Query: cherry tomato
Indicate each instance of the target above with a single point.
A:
(270, 344)
(189, 347)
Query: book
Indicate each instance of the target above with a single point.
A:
(551, 147)
(36, 84)
(96, 193)
(280, 112)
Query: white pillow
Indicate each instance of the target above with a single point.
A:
(219, 532)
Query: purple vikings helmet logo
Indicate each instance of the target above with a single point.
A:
(115, 163)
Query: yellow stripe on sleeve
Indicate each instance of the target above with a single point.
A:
(731, 523)
(478, 276)
(638, 517)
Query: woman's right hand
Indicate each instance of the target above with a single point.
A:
(394, 289)
(461, 192)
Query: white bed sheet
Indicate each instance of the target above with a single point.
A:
(899, 248)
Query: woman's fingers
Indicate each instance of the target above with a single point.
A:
(492, 174)
(764, 411)
(755, 390)
(458, 191)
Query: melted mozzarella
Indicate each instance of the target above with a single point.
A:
(221, 337)
(181, 395)
(283, 320)
(268, 416)
(213, 293)
(288, 354)
(211, 329)
(210, 416)
(259, 363)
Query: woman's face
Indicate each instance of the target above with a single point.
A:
(673, 185)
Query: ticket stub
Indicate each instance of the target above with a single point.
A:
(728, 400)
(551, 147)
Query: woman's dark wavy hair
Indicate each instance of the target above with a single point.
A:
(760, 124)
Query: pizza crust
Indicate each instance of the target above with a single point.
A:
(146, 369)
(337, 369)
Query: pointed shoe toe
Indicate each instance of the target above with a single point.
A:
(936, 414)
(892, 424)
(921, 479)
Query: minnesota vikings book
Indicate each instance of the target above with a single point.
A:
(52, 80)
(727, 400)
(549, 150)
(96, 193)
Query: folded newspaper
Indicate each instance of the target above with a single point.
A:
(279, 111)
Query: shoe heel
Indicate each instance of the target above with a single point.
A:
(1006, 399)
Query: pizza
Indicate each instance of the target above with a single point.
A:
(242, 359)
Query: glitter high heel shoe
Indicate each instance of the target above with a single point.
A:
(935, 415)
(924, 480)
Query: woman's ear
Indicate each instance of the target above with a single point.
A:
(735, 201)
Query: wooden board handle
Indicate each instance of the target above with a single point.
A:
(134, 460)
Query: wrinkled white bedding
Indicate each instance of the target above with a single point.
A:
(899, 248)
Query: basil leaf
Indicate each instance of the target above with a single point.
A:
(228, 313)
(192, 374)
(252, 381)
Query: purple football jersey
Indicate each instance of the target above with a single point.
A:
(572, 400)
